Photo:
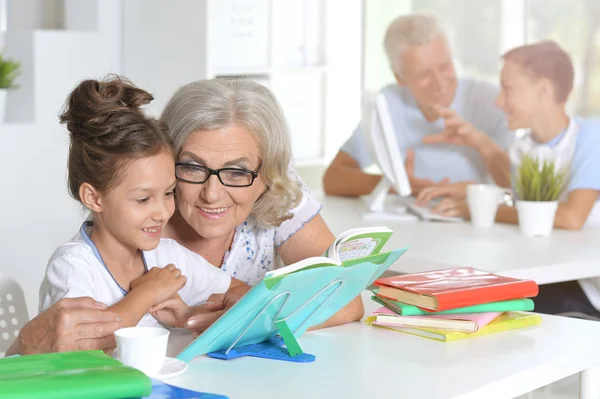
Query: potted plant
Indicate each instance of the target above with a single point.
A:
(9, 70)
(538, 186)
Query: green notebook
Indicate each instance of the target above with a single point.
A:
(84, 374)
(513, 305)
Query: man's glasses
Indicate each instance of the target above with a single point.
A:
(230, 177)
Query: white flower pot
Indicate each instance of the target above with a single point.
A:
(536, 219)
(3, 95)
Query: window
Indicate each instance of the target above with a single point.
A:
(476, 33)
(484, 29)
(575, 25)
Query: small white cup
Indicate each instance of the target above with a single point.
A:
(483, 201)
(143, 348)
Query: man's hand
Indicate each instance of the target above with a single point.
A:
(457, 191)
(417, 184)
(452, 207)
(69, 325)
(457, 131)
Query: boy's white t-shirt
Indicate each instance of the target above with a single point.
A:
(74, 270)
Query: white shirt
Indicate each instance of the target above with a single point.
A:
(253, 251)
(578, 149)
(474, 102)
(74, 270)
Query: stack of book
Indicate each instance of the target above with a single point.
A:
(452, 304)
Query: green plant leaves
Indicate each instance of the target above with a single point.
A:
(9, 70)
(539, 182)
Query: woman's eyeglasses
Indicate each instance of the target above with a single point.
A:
(230, 177)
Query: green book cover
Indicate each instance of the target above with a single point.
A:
(524, 304)
(83, 374)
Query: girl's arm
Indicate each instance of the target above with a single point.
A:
(152, 288)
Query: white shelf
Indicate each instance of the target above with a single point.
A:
(299, 69)
(265, 72)
(243, 72)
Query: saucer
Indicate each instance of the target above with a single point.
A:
(171, 367)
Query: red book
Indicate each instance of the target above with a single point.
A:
(454, 288)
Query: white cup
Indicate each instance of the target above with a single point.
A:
(143, 348)
(483, 201)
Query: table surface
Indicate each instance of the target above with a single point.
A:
(358, 361)
(565, 256)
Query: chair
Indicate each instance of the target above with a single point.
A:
(13, 311)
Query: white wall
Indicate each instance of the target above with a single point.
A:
(56, 72)
(344, 63)
(163, 46)
(378, 15)
(38, 214)
(35, 14)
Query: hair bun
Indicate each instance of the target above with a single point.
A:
(92, 104)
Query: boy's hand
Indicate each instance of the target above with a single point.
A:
(172, 312)
(160, 283)
(457, 131)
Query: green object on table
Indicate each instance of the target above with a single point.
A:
(291, 343)
(512, 305)
(84, 374)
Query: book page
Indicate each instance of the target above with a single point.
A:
(356, 248)
(358, 243)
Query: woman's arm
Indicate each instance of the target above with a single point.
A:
(312, 240)
(68, 325)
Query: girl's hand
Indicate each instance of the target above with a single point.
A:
(160, 283)
(173, 312)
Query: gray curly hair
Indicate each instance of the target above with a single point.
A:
(218, 103)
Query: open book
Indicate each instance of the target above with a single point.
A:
(350, 245)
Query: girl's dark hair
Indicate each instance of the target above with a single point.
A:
(108, 130)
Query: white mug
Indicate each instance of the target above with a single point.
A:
(483, 201)
(144, 348)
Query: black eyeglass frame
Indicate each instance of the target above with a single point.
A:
(217, 172)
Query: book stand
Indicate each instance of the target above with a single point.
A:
(272, 348)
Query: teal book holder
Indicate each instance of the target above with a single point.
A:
(300, 300)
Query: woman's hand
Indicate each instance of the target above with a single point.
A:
(69, 325)
(172, 312)
(160, 283)
(206, 314)
(456, 191)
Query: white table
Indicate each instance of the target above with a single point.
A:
(361, 361)
(565, 256)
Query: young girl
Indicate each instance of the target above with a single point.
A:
(121, 167)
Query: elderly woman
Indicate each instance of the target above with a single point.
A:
(250, 217)
(239, 202)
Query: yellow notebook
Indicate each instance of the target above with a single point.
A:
(506, 321)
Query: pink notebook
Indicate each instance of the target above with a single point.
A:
(467, 322)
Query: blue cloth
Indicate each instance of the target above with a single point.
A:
(474, 101)
(585, 166)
